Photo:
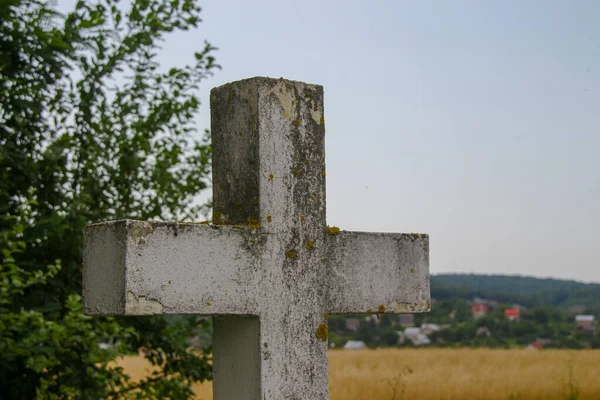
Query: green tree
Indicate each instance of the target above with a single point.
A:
(91, 129)
(541, 315)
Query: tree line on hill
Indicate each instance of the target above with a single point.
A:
(526, 291)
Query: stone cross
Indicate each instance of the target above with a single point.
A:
(268, 269)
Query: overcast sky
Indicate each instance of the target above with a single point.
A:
(476, 122)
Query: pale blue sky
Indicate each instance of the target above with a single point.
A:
(476, 122)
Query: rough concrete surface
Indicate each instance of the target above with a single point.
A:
(270, 280)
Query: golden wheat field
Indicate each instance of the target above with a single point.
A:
(394, 374)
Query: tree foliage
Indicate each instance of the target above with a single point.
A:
(91, 129)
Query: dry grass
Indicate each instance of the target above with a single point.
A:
(391, 374)
(462, 374)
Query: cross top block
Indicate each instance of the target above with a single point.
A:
(268, 139)
(268, 270)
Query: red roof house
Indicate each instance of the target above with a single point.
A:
(512, 313)
(478, 311)
(534, 346)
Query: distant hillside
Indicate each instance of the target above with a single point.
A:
(524, 290)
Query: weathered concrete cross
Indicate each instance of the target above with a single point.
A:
(268, 287)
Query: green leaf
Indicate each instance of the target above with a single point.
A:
(59, 42)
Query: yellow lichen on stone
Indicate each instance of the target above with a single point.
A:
(325, 315)
(323, 173)
(271, 177)
(381, 308)
(322, 332)
(208, 303)
(169, 282)
(252, 223)
(297, 172)
(290, 254)
(269, 218)
(296, 122)
(332, 230)
(322, 121)
(302, 219)
(309, 245)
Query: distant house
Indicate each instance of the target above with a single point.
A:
(406, 319)
(534, 346)
(512, 314)
(585, 322)
(576, 309)
(478, 311)
(485, 302)
(483, 331)
(539, 344)
(410, 332)
(352, 324)
(355, 345)
(421, 339)
(428, 329)
(416, 336)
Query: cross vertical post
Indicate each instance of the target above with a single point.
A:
(268, 143)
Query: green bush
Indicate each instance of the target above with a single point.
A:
(91, 129)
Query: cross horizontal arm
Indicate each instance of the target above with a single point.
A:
(142, 268)
(379, 272)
